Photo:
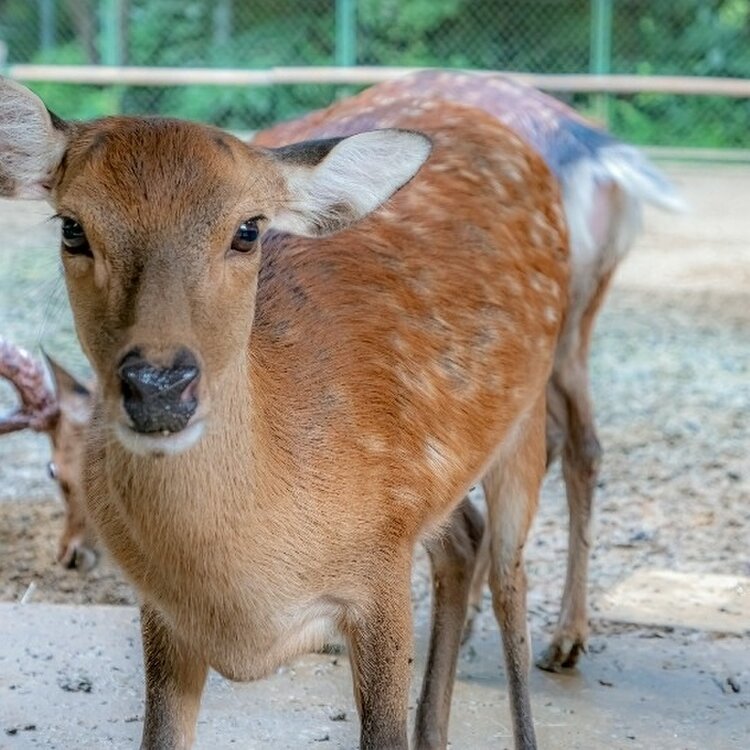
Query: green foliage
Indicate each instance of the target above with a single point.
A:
(74, 101)
(689, 37)
(18, 28)
(183, 34)
(660, 120)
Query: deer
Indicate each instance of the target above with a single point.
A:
(305, 356)
(604, 185)
(62, 414)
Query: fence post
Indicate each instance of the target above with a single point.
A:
(601, 52)
(222, 20)
(110, 49)
(346, 32)
(47, 23)
(110, 52)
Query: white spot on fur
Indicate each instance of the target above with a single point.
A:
(536, 282)
(436, 455)
(374, 444)
(514, 287)
(550, 314)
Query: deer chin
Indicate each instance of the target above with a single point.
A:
(159, 444)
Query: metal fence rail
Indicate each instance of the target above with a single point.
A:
(113, 75)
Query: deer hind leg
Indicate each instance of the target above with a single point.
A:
(581, 457)
(512, 486)
(452, 556)
(379, 639)
(478, 581)
(571, 433)
(555, 441)
(570, 405)
(556, 428)
(174, 683)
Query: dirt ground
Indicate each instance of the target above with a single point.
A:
(671, 377)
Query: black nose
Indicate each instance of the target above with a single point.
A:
(159, 399)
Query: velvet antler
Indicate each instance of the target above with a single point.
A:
(39, 409)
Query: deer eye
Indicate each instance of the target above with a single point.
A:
(74, 238)
(246, 236)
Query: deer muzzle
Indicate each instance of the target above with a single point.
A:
(159, 399)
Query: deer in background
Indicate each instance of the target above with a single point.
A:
(604, 185)
(296, 383)
(63, 416)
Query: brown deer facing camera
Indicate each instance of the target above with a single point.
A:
(604, 184)
(297, 383)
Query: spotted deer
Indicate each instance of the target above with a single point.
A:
(604, 185)
(305, 356)
(62, 414)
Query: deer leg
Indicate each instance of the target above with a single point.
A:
(512, 486)
(174, 683)
(556, 427)
(581, 458)
(379, 639)
(478, 580)
(452, 556)
(77, 546)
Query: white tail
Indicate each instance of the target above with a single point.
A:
(625, 169)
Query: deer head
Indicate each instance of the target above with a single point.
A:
(161, 227)
(62, 415)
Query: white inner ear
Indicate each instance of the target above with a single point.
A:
(30, 147)
(359, 174)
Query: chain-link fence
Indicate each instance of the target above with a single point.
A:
(647, 37)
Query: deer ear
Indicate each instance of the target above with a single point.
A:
(334, 183)
(32, 143)
(73, 396)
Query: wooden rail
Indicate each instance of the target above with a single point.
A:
(103, 75)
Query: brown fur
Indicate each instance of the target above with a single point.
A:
(534, 116)
(427, 315)
(76, 548)
(352, 387)
(571, 430)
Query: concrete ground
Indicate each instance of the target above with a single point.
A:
(71, 676)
